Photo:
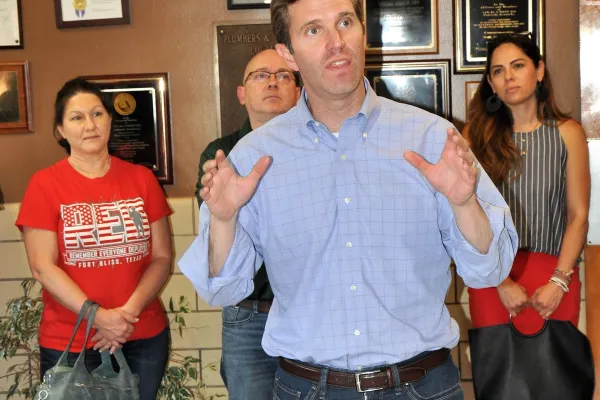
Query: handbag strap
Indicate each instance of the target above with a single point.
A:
(84, 308)
(532, 335)
(118, 354)
(90, 322)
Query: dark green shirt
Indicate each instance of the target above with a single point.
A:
(262, 289)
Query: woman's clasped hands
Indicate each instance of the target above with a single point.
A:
(113, 328)
(545, 300)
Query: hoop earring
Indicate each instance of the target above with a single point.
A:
(541, 92)
(493, 104)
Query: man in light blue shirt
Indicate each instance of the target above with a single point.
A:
(356, 204)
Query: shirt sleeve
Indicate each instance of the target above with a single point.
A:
(156, 202)
(481, 270)
(235, 281)
(37, 211)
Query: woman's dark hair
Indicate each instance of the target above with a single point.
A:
(490, 133)
(70, 89)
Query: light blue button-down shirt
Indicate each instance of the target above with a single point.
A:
(356, 242)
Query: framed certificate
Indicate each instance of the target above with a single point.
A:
(247, 4)
(15, 98)
(85, 13)
(423, 84)
(401, 27)
(11, 25)
(478, 21)
(141, 127)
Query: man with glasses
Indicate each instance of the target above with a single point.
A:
(268, 89)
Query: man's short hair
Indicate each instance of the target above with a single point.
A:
(280, 19)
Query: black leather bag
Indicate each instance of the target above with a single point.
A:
(554, 364)
(62, 382)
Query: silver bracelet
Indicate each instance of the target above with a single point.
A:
(560, 283)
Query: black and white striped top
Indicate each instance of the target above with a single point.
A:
(537, 197)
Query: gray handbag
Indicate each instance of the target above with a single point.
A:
(63, 382)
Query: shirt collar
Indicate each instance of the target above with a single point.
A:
(369, 110)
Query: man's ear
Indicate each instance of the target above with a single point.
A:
(285, 53)
(241, 94)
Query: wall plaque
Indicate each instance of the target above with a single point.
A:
(235, 45)
(141, 128)
(478, 21)
(401, 26)
(424, 84)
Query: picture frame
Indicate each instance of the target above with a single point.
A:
(478, 21)
(141, 124)
(247, 4)
(83, 13)
(470, 89)
(15, 97)
(414, 22)
(11, 25)
(424, 84)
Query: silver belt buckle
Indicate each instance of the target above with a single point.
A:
(357, 380)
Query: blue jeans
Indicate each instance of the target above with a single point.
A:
(246, 369)
(146, 357)
(440, 383)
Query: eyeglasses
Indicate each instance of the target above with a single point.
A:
(282, 77)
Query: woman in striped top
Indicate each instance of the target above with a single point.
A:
(538, 157)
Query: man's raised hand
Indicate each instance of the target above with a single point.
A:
(224, 191)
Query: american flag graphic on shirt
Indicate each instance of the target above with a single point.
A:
(105, 234)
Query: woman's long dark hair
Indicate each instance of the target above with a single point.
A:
(490, 134)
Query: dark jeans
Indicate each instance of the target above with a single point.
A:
(440, 383)
(146, 357)
(246, 369)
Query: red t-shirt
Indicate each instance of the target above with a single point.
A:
(103, 231)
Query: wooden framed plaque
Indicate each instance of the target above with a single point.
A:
(401, 27)
(235, 44)
(478, 21)
(423, 84)
(141, 127)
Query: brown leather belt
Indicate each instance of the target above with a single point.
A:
(262, 306)
(369, 380)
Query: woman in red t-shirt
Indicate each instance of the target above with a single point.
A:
(96, 227)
